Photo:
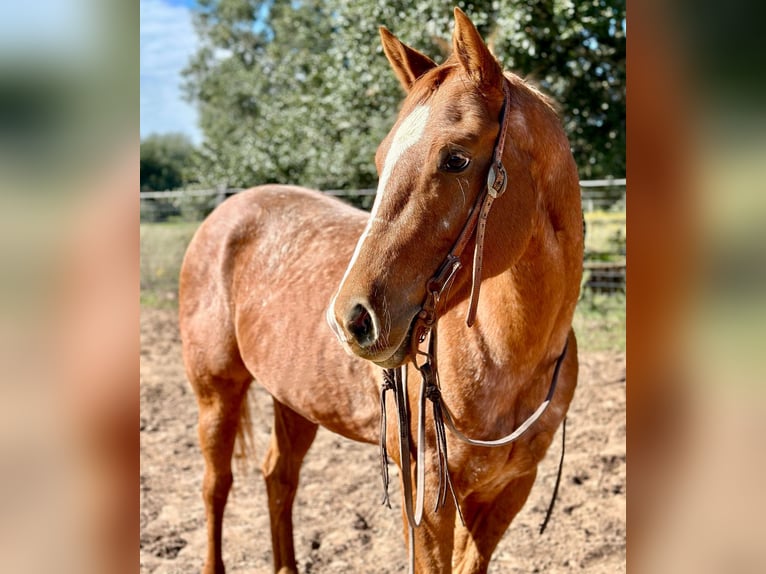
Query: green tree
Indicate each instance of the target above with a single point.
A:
(574, 51)
(166, 162)
(299, 91)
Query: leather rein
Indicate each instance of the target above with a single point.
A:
(395, 380)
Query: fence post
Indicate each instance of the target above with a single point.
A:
(221, 195)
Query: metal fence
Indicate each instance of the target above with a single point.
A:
(603, 204)
(604, 212)
(195, 204)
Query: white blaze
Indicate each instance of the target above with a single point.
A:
(407, 134)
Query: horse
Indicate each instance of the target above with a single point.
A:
(272, 266)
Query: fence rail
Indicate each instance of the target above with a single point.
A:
(597, 195)
(176, 193)
(605, 277)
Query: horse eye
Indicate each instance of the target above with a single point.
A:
(455, 163)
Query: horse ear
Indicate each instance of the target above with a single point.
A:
(473, 54)
(408, 64)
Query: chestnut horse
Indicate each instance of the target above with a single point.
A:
(271, 266)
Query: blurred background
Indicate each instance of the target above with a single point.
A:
(69, 237)
(234, 93)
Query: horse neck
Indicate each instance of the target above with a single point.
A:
(524, 312)
(533, 264)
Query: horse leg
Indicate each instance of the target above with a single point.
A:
(220, 402)
(485, 524)
(291, 438)
(433, 538)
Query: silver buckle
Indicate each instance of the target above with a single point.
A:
(496, 180)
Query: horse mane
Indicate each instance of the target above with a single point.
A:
(534, 88)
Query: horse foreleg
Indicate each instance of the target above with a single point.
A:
(291, 438)
(433, 537)
(485, 524)
(219, 411)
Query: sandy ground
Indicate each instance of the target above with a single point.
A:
(340, 526)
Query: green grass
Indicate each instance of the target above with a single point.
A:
(162, 249)
(605, 236)
(599, 322)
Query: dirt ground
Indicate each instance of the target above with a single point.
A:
(340, 525)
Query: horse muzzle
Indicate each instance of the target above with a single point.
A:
(359, 329)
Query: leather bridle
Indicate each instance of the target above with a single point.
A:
(425, 327)
(497, 180)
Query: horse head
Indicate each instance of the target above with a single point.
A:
(433, 167)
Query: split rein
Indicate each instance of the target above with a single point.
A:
(395, 380)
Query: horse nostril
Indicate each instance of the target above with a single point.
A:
(361, 326)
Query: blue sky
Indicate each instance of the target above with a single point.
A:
(167, 41)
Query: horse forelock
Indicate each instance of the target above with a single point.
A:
(427, 84)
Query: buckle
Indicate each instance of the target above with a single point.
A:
(496, 180)
(444, 275)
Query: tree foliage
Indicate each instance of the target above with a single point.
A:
(298, 91)
(166, 162)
